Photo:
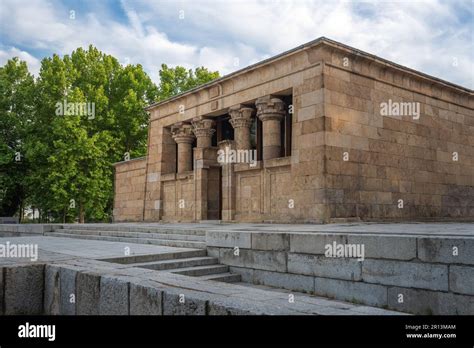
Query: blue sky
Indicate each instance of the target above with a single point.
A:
(435, 37)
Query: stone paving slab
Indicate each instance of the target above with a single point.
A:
(410, 228)
(417, 228)
(57, 248)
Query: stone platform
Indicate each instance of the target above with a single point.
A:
(420, 268)
(105, 281)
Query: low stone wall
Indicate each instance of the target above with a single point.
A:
(417, 274)
(21, 289)
(89, 287)
(9, 220)
(10, 230)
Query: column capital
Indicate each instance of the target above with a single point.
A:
(270, 108)
(202, 127)
(182, 133)
(241, 116)
(226, 143)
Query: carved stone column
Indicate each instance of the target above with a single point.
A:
(202, 128)
(183, 136)
(270, 111)
(228, 184)
(241, 120)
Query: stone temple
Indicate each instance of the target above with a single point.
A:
(337, 133)
(321, 133)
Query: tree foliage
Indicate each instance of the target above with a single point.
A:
(177, 80)
(16, 109)
(66, 169)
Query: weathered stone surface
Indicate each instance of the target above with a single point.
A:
(461, 279)
(446, 250)
(212, 251)
(67, 277)
(266, 260)
(2, 284)
(88, 293)
(270, 241)
(51, 290)
(251, 302)
(370, 294)
(321, 266)
(145, 300)
(114, 296)
(191, 305)
(429, 302)
(288, 281)
(229, 239)
(409, 274)
(314, 243)
(218, 309)
(364, 310)
(254, 301)
(23, 289)
(385, 247)
(246, 274)
(26, 229)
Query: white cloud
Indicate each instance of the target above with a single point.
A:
(424, 35)
(33, 63)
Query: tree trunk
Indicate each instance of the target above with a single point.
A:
(21, 212)
(81, 213)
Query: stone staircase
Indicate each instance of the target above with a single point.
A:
(133, 234)
(193, 263)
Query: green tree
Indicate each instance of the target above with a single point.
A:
(71, 150)
(16, 111)
(178, 80)
(66, 167)
(51, 87)
(73, 154)
(80, 170)
(132, 90)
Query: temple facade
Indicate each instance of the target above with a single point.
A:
(321, 132)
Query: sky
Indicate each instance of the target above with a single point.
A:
(435, 37)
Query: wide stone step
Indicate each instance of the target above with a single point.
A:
(132, 228)
(171, 243)
(182, 263)
(223, 277)
(151, 235)
(201, 270)
(150, 258)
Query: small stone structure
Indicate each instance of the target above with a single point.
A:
(337, 132)
(9, 220)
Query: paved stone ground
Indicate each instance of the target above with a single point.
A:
(415, 228)
(229, 298)
(90, 249)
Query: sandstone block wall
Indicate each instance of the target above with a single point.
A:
(425, 162)
(129, 190)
